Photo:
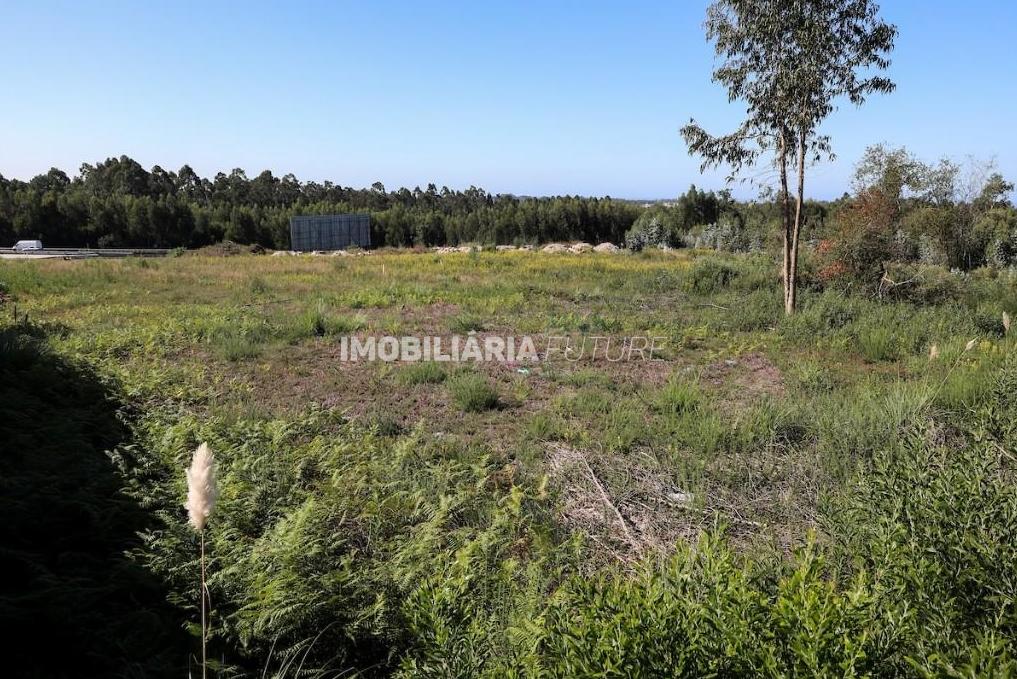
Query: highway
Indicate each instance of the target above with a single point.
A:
(81, 253)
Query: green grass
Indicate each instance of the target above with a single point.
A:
(426, 372)
(431, 519)
(472, 393)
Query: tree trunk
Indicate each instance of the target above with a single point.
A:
(791, 283)
(785, 202)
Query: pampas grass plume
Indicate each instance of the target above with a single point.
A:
(1006, 322)
(933, 352)
(970, 345)
(202, 491)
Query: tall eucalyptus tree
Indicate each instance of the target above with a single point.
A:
(790, 62)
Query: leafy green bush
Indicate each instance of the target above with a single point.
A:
(703, 614)
(658, 227)
(322, 534)
(708, 275)
(465, 323)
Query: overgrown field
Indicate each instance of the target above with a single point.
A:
(772, 496)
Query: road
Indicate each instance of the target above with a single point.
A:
(82, 253)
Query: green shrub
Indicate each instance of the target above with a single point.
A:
(811, 375)
(423, 372)
(624, 426)
(465, 323)
(472, 392)
(758, 310)
(257, 285)
(658, 227)
(316, 321)
(923, 284)
(988, 319)
(679, 396)
(877, 344)
(708, 275)
(939, 525)
(545, 426)
(239, 339)
(704, 614)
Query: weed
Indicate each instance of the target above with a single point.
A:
(423, 372)
(472, 392)
(877, 344)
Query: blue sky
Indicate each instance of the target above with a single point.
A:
(523, 97)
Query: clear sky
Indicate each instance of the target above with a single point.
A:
(522, 97)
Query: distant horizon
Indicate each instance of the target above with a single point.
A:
(526, 98)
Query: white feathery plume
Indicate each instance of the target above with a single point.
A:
(1006, 322)
(933, 352)
(202, 491)
(970, 345)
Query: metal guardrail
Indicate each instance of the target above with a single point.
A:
(88, 252)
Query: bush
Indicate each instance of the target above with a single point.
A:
(316, 321)
(657, 227)
(705, 614)
(922, 284)
(877, 344)
(708, 275)
(679, 396)
(939, 524)
(727, 235)
(472, 393)
(424, 372)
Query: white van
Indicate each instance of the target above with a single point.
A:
(23, 245)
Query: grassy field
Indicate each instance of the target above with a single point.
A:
(767, 495)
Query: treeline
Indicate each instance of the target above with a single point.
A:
(120, 203)
(902, 210)
(906, 215)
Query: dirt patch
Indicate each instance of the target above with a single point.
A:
(746, 379)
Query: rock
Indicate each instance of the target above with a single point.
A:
(610, 248)
(555, 248)
(504, 248)
(681, 499)
(281, 253)
(580, 248)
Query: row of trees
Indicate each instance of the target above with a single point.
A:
(120, 203)
(902, 209)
